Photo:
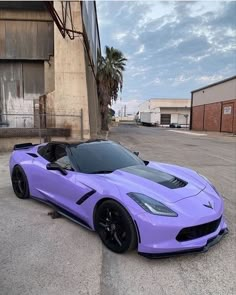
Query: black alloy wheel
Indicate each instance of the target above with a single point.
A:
(115, 227)
(20, 183)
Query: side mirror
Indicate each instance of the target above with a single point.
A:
(55, 166)
(136, 153)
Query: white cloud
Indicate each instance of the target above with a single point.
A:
(131, 105)
(171, 47)
(200, 7)
(196, 58)
(135, 35)
(140, 50)
(120, 36)
(158, 10)
(156, 81)
(209, 79)
(182, 78)
(103, 22)
(135, 71)
(179, 79)
(230, 33)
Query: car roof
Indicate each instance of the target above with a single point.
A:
(79, 142)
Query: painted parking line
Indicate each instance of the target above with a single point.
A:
(189, 133)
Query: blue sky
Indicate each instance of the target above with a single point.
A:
(172, 47)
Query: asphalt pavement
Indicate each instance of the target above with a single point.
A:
(40, 255)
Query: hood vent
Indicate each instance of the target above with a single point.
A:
(156, 176)
(174, 183)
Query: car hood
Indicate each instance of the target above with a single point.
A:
(166, 183)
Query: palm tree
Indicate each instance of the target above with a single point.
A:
(109, 80)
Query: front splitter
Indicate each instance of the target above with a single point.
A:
(211, 242)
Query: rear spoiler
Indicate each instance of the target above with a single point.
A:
(23, 146)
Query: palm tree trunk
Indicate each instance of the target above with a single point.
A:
(105, 119)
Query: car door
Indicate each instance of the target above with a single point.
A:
(57, 188)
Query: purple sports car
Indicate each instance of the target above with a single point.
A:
(158, 208)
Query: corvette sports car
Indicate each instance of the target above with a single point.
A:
(157, 208)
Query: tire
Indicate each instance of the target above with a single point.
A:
(115, 227)
(20, 183)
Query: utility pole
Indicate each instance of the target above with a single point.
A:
(186, 117)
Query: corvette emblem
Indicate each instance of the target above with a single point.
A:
(209, 205)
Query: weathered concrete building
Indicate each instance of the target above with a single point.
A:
(26, 45)
(214, 107)
(49, 70)
(169, 110)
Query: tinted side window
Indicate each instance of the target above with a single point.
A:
(61, 157)
(47, 152)
(41, 150)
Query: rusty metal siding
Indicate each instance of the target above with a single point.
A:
(23, 5)
(11, 87)
(50, 38)
(44, 42)
(26, 40)
(20, 84)
(2, 38)
(24, 79)
(33, 77)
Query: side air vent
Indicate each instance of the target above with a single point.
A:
(174, 183)
(32, 155)
(85, 197)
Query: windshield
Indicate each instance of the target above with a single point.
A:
(103, 157)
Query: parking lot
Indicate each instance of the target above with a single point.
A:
(40, 255)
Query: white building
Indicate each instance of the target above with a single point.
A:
(168, 110)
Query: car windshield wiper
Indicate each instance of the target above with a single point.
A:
(102, 172)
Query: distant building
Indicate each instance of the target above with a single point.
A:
(168, 110)
(43, 68)
(214, 107)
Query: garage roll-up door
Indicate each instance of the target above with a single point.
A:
(165, 119)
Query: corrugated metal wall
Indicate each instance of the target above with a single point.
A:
(33, 79)
(26, 39)
(20, 84)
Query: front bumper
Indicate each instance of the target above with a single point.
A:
(158, 235)
(210, 242)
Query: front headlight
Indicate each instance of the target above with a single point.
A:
(152, 206)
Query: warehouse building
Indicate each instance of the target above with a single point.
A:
(48, 63)
(213, 107)
(168, 110)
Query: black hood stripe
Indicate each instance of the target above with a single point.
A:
(156, 176)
